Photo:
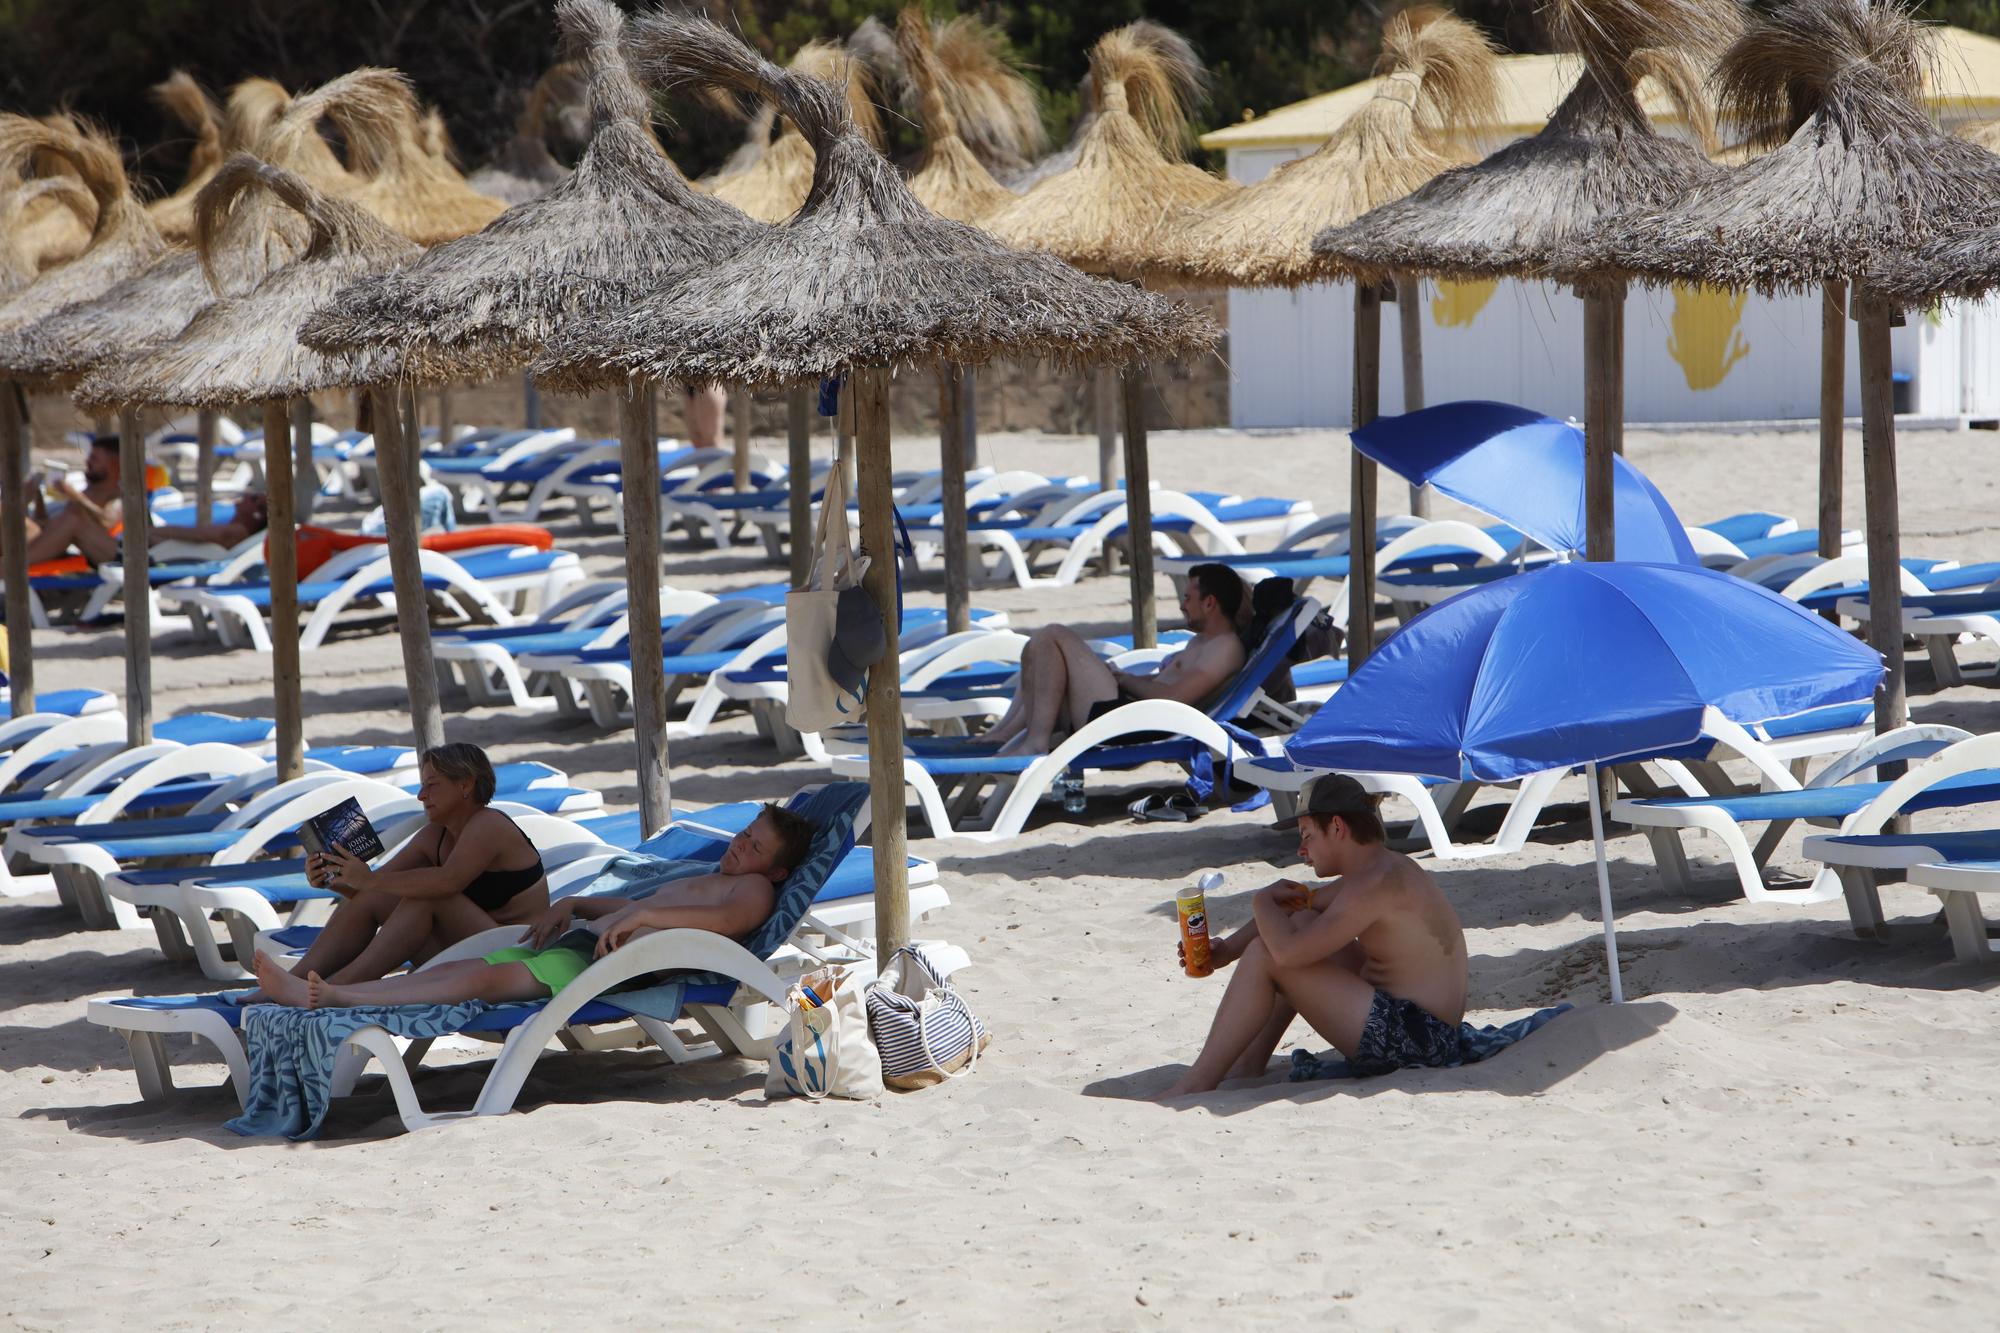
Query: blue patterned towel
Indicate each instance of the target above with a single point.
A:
(1481, 1043)
(292, 1050)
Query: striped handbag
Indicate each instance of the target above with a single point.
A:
(924, 1030)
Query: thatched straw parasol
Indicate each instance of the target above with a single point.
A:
(1175, 56)
(524, 168)
(773, 185)
(1862, 176)
(189, 103)
(24, 211)
(863, 280)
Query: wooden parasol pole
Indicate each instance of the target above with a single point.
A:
(206, 425)
(281, 565)
(968, 407)
(888, 832)
(798, 467)
(1362, 475)
(396, 436)
(740, 405)
(1603, 412)
(1832, 413)
(1410, 328)
(1878, 472)
(951, 458)
(639, 461)
(138, 584)
(1105, 386)
(1139, 508)
(445, 414)
(305, 477)
(14, 484)
(531, 403)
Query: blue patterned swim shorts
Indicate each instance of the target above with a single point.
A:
(1400, 1034)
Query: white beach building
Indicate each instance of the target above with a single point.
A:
(1691, 354)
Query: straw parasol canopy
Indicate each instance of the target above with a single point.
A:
(242, 348)
(614, 231)
(864, 275)
(773, 186)
(967, 92)
(1177, 58)
(1437, 71)
(188, 102)
(25, 210)
(1101, 214)
(524, 168)
(1510, 214)
(123, 240)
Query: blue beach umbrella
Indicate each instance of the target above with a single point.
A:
(1526, 470)
(1582, 664)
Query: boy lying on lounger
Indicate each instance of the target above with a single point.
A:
(1375, 961)
(734, 900)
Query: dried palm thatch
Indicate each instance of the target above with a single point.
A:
(863, 276)
(243, 349)
(615, 230)
(53, 226)
(122, 242)
(953, 183)
(773, 185)
(1102, 214)
(1189, 77)
(22, 210)
(1437, 72)
(1860, 176)
(1512, 213)
(524, 168)
(992, 102)
(188, 102)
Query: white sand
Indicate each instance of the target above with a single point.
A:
(1789, 1128)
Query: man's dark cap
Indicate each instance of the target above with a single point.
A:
(1331, 794)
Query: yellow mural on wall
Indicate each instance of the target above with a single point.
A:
(1457, 304)
(1705, 340)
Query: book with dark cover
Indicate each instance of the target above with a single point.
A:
(345, 825)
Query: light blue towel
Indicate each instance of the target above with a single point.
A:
(1481, 1043)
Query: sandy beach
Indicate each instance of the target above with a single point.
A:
(1787, 1127)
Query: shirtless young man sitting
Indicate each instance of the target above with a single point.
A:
(1064, 684)
(1375, 961)
(734, 900)
(88, 516)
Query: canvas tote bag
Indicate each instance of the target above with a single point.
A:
(813, 699)
(824, 1050)
(923, 1029)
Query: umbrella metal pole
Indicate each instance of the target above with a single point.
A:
(1105, 385)
(951, 460)
(206, 425)
(138, 585)
(888, 831)
(1603, 413)
(281, 564)
(1832, 413)
(1410, 329)
(14, 484)
(798, 464)
(639, 462)
(1604, 883)
(1139, 508)
(1878, 471)
(968, 408)
(305, 477)
(396, 434)
(1362, 475)
(740, 404)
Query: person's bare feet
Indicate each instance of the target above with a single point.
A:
(278, 985)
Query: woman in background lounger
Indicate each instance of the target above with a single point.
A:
(469, 870)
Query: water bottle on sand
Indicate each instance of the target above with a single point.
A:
(1192, 906)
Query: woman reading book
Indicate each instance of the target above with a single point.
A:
(470, 869)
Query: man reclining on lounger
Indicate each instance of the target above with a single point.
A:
(734, 900)
(1375, 961)
(1064, 684)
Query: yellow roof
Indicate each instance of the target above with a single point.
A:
(1531, 87)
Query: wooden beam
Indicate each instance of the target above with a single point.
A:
(206, 426)
(968, 407)
(1832, 413)
(1105, 387)
(138, 584)
(1410, 328)
(281, 564)
(887, 822)
(14, 485)
(305, 477)
(798, 464)
(395, 436)
(951, 461)
(446, 423)
(639, 459)
(1603, 414)
(740, 404)
(1139, 508)
(1361, 476)
(1878, 472)
(531, 403)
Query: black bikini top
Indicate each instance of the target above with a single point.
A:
(492, 889)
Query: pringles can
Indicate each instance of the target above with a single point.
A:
(1193, 909)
